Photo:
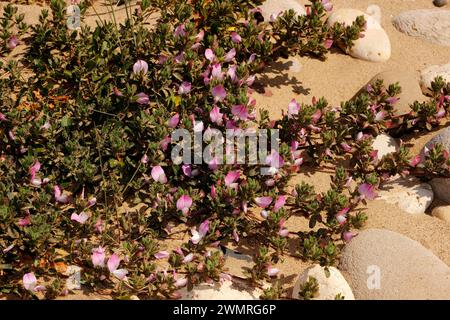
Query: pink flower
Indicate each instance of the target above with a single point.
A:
(440, 113)
(80, 218)
(272, 272)
(235, 235)
(30, 282)
(392, 100)
(327, 5)
(185, 88)
(346, 147)
(231, 178)
(213, 192)
(236, 38)
(140, 67)
(279, 203)
(13, 41)
(23, 222)
(252, 58)
(199, 37)
(283, 232)
(240, 111)
(347, 236)
(164, 143)
(367, 191)
(219, 93)
(216, 71)
(230, 55)
(142, 98)
(2, 117)
(173, 122)
(59, 196)
(379, 116)
(158, 174)
(274, 160)
(184, 203)
(209, 54)
(213, 164)
(328, 43)
(216, 116)
(144, 159)
(34, 169)
(188, 258)
(99, 225)
(117, 92)
(92, 202)
(180, 31)
(293, 108)
(203, 229)
(113, 262)
(263, 202)
(98, 257)
(231, 73)
(415, 161)
(162, 255)
(316, 116)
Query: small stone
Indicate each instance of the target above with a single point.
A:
(227, 290)
(329, 287)
(442, 213)
(385, 145)
(432, 25)
(374, 46)
(275, 7)
(440, 3)
(73, 282)
(442, 138)
(429, 74)
(441, 188)
(409, 194)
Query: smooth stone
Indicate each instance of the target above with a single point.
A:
(73, 282)
(440, 3)
(408, 80)
(442, 138)
(374, 46)
(409, 194)
(275, 7)
(442, 213)
(429, 74)
(385, 145)
(227, 290)
(383, 265)
(441, 188)
(329, 287)
(432, 25)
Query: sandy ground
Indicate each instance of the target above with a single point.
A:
(338, 79)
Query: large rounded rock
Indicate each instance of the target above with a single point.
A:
(409, 194)
(408, 80)
(441, 188)
(382, 265)
(275, 7)
(385, 145)
(329, 287)
(429, 74)
(227, 290)
(374, 46)
(431, 25)
(442, 213)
